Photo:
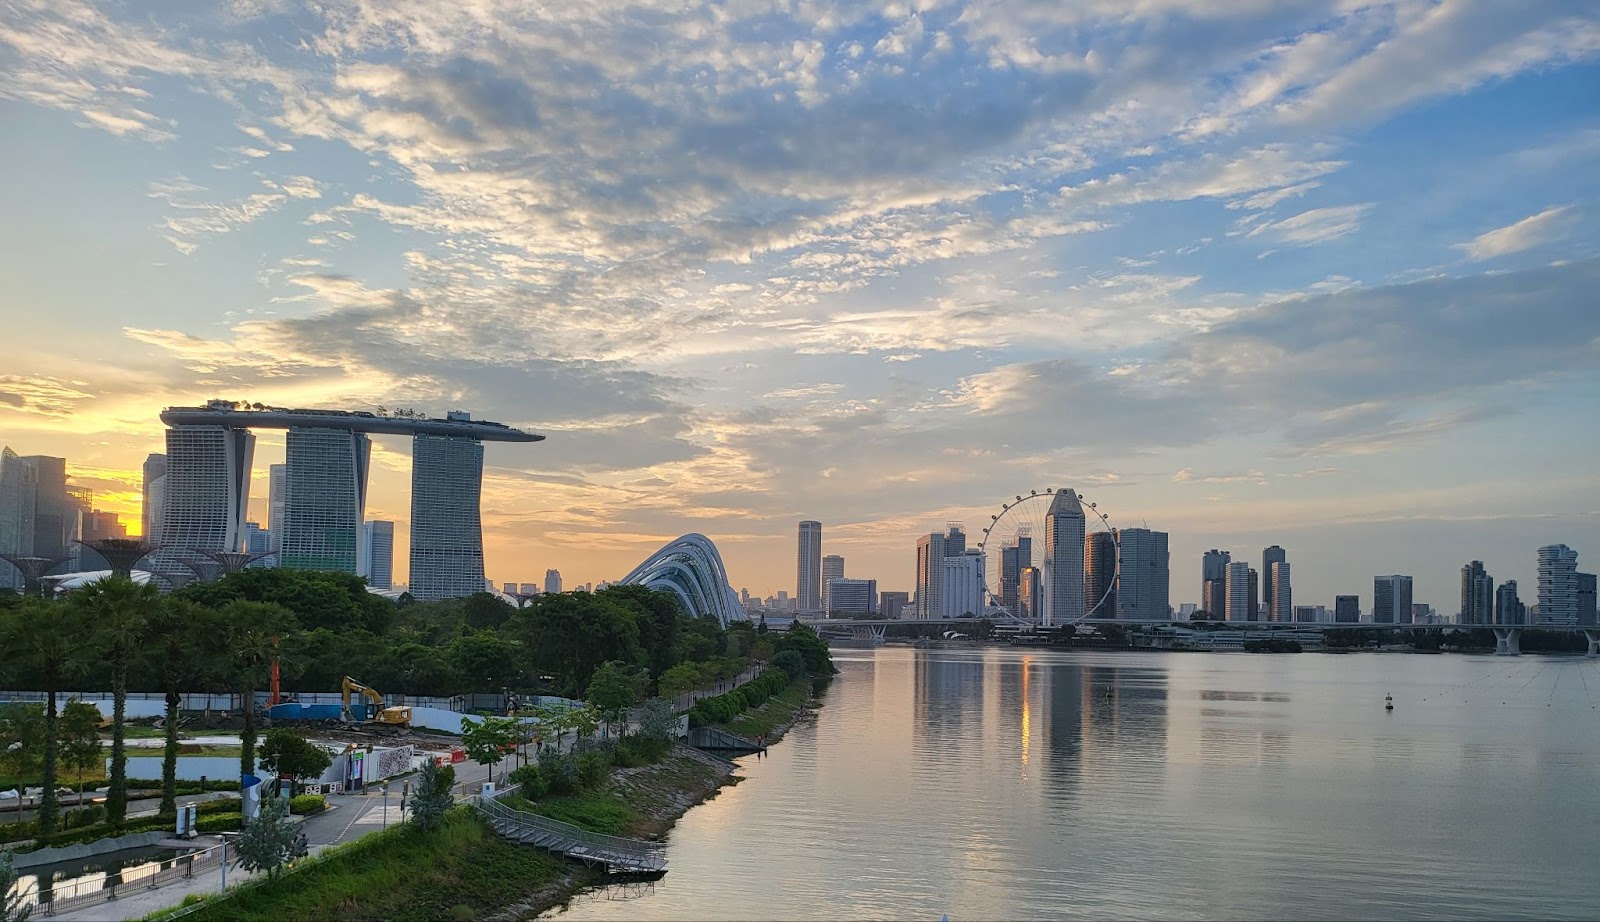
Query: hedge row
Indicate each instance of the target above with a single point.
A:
(724, 708)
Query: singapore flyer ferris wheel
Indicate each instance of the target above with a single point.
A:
(1019, 577)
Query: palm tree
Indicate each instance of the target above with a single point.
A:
(118, 611)
(41, 640)
(185, 640)
(252, 631)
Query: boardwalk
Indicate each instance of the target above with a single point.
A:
(615, 854)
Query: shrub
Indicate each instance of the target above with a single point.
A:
(307, 804)
(218, 822)
(532, 781)
(225, 805)
(560, 773)
(593, 767)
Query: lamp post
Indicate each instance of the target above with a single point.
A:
(385, 788)
(405, 797)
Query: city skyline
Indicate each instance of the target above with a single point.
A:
(1310, 274)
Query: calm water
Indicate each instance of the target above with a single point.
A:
(997, 783)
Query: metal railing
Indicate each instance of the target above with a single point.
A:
(627, 854)
(69, 896)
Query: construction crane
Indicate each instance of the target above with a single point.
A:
(393, 716)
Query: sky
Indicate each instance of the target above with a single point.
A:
(1317, 274)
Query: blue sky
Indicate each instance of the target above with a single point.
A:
(1319, 274)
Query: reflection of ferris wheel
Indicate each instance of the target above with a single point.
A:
(1013, 547)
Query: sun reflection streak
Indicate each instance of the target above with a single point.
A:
(1026, 730)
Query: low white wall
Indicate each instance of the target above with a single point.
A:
(190, 768)
(436, 719)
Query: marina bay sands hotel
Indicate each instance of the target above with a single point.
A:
(206, 494)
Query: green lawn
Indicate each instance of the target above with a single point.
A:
(596, 811)
(461, 871)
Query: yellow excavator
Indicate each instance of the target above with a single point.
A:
(392, 716)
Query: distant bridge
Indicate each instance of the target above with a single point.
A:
(1508, 637)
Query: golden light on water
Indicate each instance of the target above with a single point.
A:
(1027, 730)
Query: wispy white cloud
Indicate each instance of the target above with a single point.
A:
(1521, 235)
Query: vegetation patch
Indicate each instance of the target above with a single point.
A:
(779, 711)
(461, 870)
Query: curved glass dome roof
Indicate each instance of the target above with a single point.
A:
(691, 568)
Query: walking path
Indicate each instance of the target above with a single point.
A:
(348, 818)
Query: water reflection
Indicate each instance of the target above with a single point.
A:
(997, 783)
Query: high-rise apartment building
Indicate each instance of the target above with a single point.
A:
(1100, 575)
(1587, 614)
(446, 526)
(852, 597)
(893, 604)
(1214, 581)
(1477, 595)
(1558, 584)
(962, 591)
(930, 576)
(1346, 609)
(552, 582)
(325, 499)
(277, 495)
(832, 569)
(1270, 556)
(377, 554)
(207, 487)
(1282, 593)
(1508, 608)
(1145, 577)
(808, 567)
(154, 487)
(1391, 599)
(1015, 557)
(1240, 601)
(1064, 526)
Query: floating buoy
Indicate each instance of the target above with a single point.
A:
(1388, 702)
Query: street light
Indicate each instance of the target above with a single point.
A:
(405, 796)
(385, 788)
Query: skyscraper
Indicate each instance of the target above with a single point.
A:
(1015, 557)
(1270, 556)
(1587, 614)
(325, 500)
(961, 593)
(257, 541)
(1391, 599)
(893, 604)
(1508, 609)
(207, 487)
(277, 493)
(930, 576)
(446, 527)
(1558, 584)
(155, 468)
(832, 568)
(1063, 559)
(1030, 593)
(1346, 609)
(1477, 595)
(808, 567)
(1254, 605)
(16, 511)
(1214, 581)
(853, 597)
(955, 539)
(1144, 585)
(378, 554)
(552, 581)
(1239, 601)
(1100, 575)
(55, 515)
(1282, 593)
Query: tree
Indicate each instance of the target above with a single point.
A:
(790, 661)
(657, 721)
(185, 640)
(80, 738)
(684, 677)
(11, 908)
(21, 739)
(42, 643)
(285, 753)
(251, 631)
(615, 688)
(268, 842)
(118, 610)
(485, 611)
(488, 740)
(432, 795)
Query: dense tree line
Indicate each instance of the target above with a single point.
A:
(318, 627)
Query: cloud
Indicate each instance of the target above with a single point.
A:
(1319, 225)
(1526, 234)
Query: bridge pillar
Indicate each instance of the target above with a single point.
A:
(1508, 641)
(1594, 640)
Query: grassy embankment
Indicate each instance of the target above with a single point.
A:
(774, 715)
(461, 871)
